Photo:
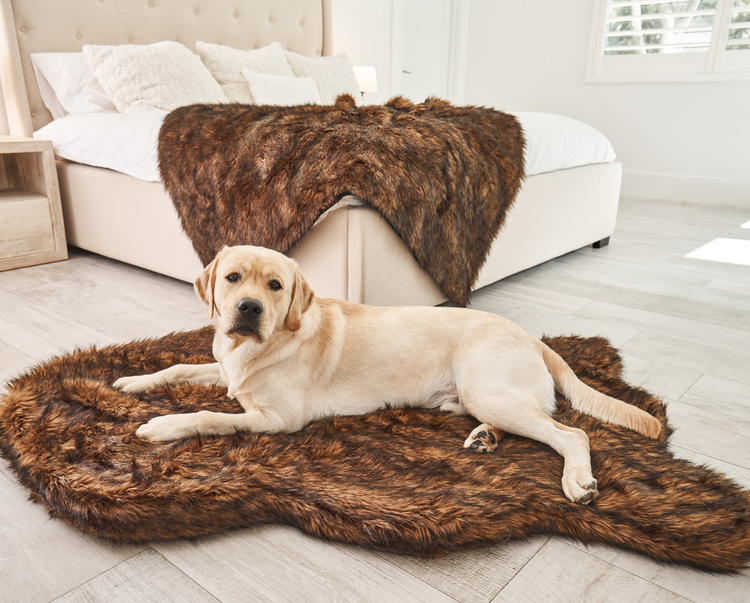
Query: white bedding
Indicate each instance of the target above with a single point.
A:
(127, 142)
(124, 142)
(554, 142)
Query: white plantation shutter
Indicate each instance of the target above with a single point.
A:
(647, 26)
(649, 40)
(739, 26)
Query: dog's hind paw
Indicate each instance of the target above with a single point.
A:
(484, 438)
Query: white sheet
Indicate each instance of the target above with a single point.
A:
(127, 142)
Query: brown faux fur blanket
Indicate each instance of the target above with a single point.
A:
(442, 176)
(396, 480)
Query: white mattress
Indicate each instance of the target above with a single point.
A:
(127, 142)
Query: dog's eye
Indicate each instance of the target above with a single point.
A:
(233, 278)
(274, 285)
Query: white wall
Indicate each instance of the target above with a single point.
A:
(685, 141)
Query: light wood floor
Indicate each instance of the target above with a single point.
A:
(683, 327)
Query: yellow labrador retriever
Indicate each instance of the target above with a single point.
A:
(290, 358)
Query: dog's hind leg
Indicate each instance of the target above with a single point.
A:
(511, 389)
(524, 418)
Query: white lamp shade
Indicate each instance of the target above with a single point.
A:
(367, 79)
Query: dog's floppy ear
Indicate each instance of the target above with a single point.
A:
(205, 284)
(302, 298)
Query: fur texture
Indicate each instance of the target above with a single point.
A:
(442, 176)
(396, 480)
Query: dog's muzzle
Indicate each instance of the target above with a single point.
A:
(248, 318)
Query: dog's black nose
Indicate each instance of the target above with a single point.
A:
(249, 307)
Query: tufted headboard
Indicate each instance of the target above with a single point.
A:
(29, 26)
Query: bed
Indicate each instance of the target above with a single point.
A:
(350, 254)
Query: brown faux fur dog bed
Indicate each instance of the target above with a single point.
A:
(442, 176)
(396, 480)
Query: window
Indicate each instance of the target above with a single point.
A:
(692, 40)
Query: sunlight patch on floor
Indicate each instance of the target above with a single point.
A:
(746, 225)
(730, 251)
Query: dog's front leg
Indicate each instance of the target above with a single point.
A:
(205, 422)
(198, 374)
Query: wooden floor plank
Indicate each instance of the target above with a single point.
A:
(561, 573)
(529, 297)
(727, 292)
(156, 292)
(146, 578)
(43, 558)
(472, 576)
(698, 587)
(722, 396)
(701, 358)
(13, 363)
(688, 303)
(727, 338)
(11, 301)
(730, 284)
(549, 322)
(710, 268)
(277, 563)
(657, 378)
(104, 311)
(41, 333)
(718, 436)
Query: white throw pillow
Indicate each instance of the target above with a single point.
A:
(281, 90)
(332, 75)
(68, 84)
(164, 75)
(226, 64)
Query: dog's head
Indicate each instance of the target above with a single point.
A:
(254, 292)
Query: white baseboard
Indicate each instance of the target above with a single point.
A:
(695, 189)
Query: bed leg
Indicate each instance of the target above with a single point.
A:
(602, 243)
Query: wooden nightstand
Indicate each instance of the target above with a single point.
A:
(32, 230)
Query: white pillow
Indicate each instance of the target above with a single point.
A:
(281, 90)
(164, 75)
(68, 84)
(226, 64)
(126, 142)
(332, 75)
(555, 142)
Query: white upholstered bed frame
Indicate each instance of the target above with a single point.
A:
(352, 254)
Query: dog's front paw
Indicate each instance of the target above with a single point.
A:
(484, 438)
(579, 485)
(167, 427)
(134, 385)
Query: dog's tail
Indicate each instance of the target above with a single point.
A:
(594, 403)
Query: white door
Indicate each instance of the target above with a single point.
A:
(425, 48)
